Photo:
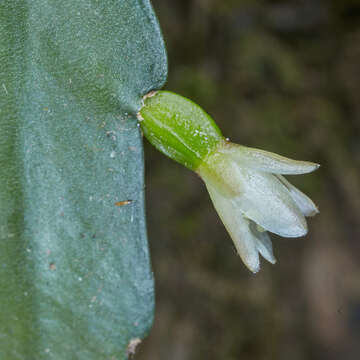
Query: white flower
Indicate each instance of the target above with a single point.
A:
(246, 185)
(252, 197)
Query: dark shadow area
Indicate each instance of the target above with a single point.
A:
(283, 76)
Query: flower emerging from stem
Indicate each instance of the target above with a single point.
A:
(246, 185)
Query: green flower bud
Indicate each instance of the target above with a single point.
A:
(246, 185)
(179, 128)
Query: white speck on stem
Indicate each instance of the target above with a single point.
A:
(112, 154)
(5, 89)
(131, 348)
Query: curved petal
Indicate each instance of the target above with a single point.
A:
(266, 161)
(305, 204)
(238, 228)
(268, 203)
(263, 243)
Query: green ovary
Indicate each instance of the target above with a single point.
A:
(179, 128)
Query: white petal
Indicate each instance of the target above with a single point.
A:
(305, 204)
(263, 243)
(266, 161)
(238, 228)
(266, 201)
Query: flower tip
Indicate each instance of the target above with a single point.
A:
(316, 166)
(308, 167)
(272, 261)
(254, 269)
(314, 212)
(251, 261)
(295, 230)
(301, 231)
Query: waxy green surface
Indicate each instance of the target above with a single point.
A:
(179, 128)
(75, 277)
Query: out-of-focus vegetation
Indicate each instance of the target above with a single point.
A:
(283, 76)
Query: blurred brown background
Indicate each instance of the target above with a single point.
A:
(282, 76)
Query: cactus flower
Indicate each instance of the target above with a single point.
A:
(246, 185)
